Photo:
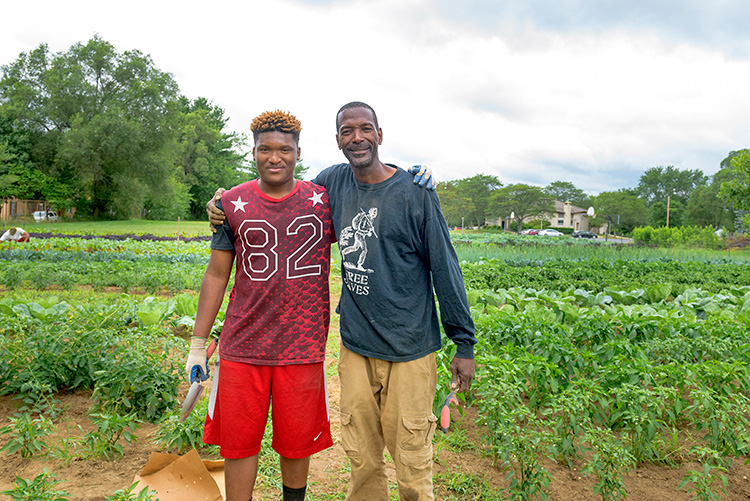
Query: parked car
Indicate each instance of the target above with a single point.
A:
(583, 234)
(529, 232)
(41, 215)
(549, 232)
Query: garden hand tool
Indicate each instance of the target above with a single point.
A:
(445, 414)
(196, 388)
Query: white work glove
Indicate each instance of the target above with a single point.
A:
(197, 357)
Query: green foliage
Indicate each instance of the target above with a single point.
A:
(515, 436)
(659, 182)
(461, 485)
(177, 437)
(713, 467)
(523, 200)
(137, 381)
(573, 368)
(609, 460)
(706, 208)
(12, 277)
(682, 236)
(623, 205)
(565, 191)
(104, 440)
(457, 206)
(736, 189)
(128, 495)
(88, 347)
(41, 488)
(109, 134)
(593, 275)
(26, 435)
(206, 154)
(480, 190)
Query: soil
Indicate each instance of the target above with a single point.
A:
(93, 480)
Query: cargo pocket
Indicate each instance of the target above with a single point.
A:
(416, 440)
(349, 440)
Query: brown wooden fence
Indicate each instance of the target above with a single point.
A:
(13, 208)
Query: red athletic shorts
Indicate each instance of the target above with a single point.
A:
(301, 425)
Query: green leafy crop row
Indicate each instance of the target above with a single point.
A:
(52, 347)
(610, 379)
(150, 276)
(596, 274)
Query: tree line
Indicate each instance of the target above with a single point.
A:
(693, 199)
(110, 134)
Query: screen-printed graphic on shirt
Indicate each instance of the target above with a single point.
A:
(353, 246)
(360, 230)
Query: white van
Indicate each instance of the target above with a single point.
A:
(41, 215)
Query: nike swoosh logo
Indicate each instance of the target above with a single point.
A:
(316, 438)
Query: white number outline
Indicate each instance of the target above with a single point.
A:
(271, 242)
(292, 264)
(262, 226)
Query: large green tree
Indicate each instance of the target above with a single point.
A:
(658, 183)
(524, 201)
(706, 208)
(208, 157)
(565, 191)
(455, 206)
(104, 116)
(736, 188)
(622, 205)
(479, 189)
(108, 132)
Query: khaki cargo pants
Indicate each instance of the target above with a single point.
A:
(388, 404)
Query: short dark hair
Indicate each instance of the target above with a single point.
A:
(356, 104)
(276, 121)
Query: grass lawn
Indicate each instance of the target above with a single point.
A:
(137, 226)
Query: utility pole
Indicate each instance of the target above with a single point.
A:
(668, 203)
(606, 234)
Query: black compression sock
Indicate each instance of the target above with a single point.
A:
(294, 494)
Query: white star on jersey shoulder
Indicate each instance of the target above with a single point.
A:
(316, 198)
(239, 204)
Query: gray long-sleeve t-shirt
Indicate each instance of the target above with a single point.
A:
(395, 247)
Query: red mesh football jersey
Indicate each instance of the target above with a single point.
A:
(279, 308)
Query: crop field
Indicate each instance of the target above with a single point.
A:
(604, 371)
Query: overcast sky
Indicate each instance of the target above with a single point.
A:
(531, 91)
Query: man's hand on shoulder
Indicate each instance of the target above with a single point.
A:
(422, 176)
(462, 372)
(215, 215)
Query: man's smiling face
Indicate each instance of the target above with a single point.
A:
(358, 137)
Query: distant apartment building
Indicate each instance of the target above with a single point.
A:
(566, 215)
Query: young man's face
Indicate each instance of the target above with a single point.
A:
(358, 138)
(276, 155)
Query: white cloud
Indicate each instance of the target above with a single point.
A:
(519, 97)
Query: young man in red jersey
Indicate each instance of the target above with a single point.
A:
(276, 324)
